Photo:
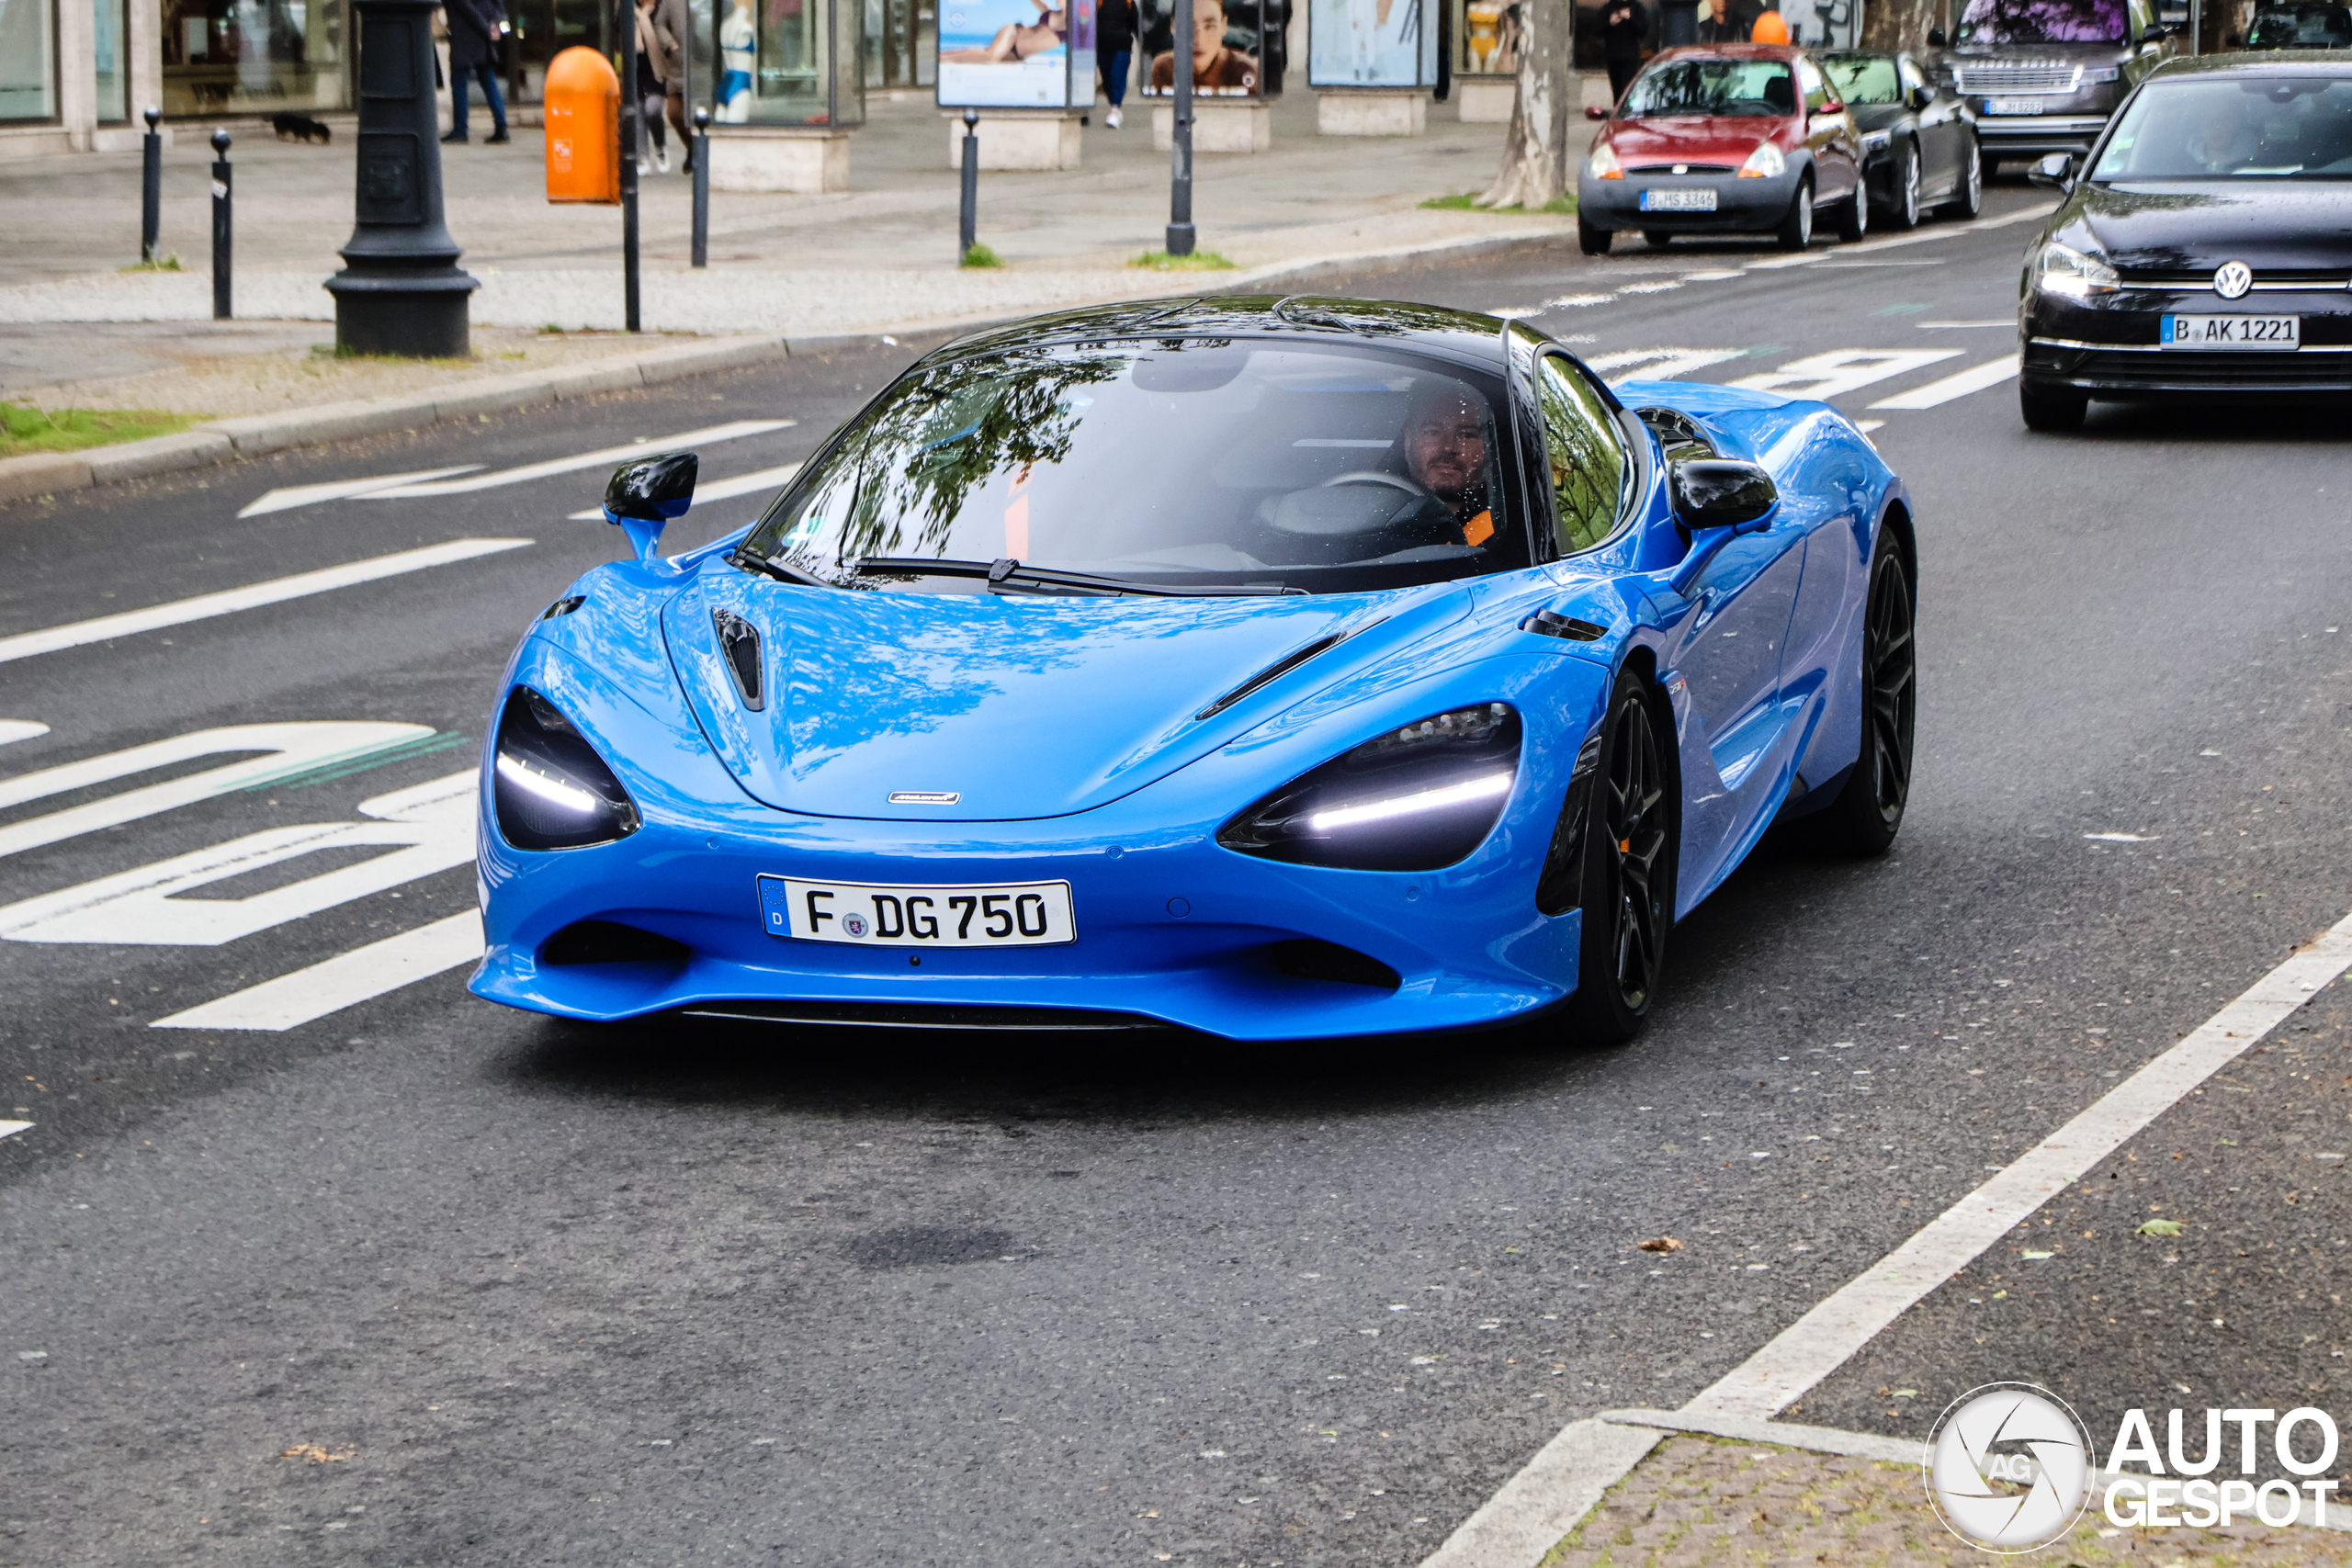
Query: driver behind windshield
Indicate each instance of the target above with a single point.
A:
(1445, 452)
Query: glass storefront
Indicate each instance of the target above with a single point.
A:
(27, 60)
(113, 40)
(790, 62)
(252, 56)
(901, 43)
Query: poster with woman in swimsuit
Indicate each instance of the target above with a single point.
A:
(1014, 53)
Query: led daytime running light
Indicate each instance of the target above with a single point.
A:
(547, 787)
(1427, 800)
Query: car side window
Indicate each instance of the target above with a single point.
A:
(1584, 452)
(1816, 92)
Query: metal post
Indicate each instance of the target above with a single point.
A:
(220, 312)
(632, 137)
(1180, 192)
(151, 197)
(968, 225)
(702, 185)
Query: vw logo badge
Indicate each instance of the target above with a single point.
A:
(854, 924)
(2232, 280)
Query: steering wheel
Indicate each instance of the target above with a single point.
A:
(1374, 477)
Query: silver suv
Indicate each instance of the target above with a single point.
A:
(2043, 75)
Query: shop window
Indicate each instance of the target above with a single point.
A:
(113, 40)
(27, 60)
(252, 56)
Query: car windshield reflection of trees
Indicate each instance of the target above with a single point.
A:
(2041, 21)
(2257, 128)
(1193, 462)
(1684, 89)
(1863, 78)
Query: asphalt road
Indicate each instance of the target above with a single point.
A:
(426, 1281)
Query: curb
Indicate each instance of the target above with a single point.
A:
(219, 441)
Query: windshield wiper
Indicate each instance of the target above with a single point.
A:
(1012, 572)
(767, 566)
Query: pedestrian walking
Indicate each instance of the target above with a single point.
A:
(1114, 44)
(1624, 26)
(475, 28)
(662, 79)
(1728, 21)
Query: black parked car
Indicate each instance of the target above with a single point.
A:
(2206, 250)
(2309, 25)
(2043, 75)
(1918, 137)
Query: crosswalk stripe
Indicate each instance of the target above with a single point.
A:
(1656, 364)
(21, 730)
(10, 1129)
(345, 980)
(1975, 378)
(734, 431)
(721, 490)
(204, 606)
(1841, 370)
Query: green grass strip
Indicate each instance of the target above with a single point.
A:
(1199, 261)
(24, 428)
(1563, 205)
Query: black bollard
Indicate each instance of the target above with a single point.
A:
(702, 187)
(151, 196)
(220, 230)
(632, 140)
(1179, 185)
(400, 291)
(967, 226)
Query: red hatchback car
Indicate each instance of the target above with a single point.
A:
(1723, 138)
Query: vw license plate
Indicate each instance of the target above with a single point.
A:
(1677, 201)
(2275, 333)
(2013, 106)
(987, 913)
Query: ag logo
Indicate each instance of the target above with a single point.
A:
(2009, 1468)
(2232, 280)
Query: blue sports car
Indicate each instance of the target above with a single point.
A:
(1273, 668)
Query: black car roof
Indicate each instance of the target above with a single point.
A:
(2270, 63)
(1463, 333)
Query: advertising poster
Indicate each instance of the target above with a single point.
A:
(1487, 35)
(1370, 43)
(1016, 53)
(1236, 47)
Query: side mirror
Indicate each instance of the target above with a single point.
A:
(1936, 37)
(641, 497)
(2055, 170)
(1594, 111)
(1716, 493)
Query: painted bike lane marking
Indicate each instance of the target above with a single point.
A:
(345, 980)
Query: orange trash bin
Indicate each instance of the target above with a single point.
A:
(583, 104)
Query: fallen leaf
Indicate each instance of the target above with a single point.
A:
(1660, 1244)
(2160, 1227)
(314, 1453)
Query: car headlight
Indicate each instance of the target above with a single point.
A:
(552, 789)
(1764, 164)
(2099, 74)
(1604, 163)
(2061, 269)
(1875, 140)
(1417, 798)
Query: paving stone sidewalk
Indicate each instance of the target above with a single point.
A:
(1699, 1502)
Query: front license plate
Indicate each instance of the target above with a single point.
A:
(1677, 201)
(2275, 333)
(2013, 106)
(987, 914)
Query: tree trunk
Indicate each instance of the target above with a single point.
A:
(1536, 160)
(1890, 25)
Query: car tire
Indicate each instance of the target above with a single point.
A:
(1796, 232)
(1854, 216)
(1968, 200)
(1629, 846)
(2052, 408)
(1867, 811)
(1903, 188)
(1657, 239)
(1593, 241)
(1987, 166)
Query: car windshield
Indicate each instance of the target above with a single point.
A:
(2249, 127)
(1864, 78)
(1174, 464)
(2042, 21)
(2304, 27)
(1681, 88)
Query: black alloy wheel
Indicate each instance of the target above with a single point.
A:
(1867, 811)
(1593, 241)
(2052, 408)
(1902, 211)
(1796, 232)
(1629, 866)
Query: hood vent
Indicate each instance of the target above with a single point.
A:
(1280, 667)
(738, 642)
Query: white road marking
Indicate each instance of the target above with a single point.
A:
(292, 496)
(1867, 425)
(77, 634)
(1916, 237)
(1841, 370)
(21, 729)
(344, 980)
(429, 828)
(288, 747)
(1576, 301)
(734, 431)
(1559, 1486)
(2011, 322)
(721, 490)
(1975, 378)
(1656, 364)
(10, 1129)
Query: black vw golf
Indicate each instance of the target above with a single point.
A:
(2208, 247)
